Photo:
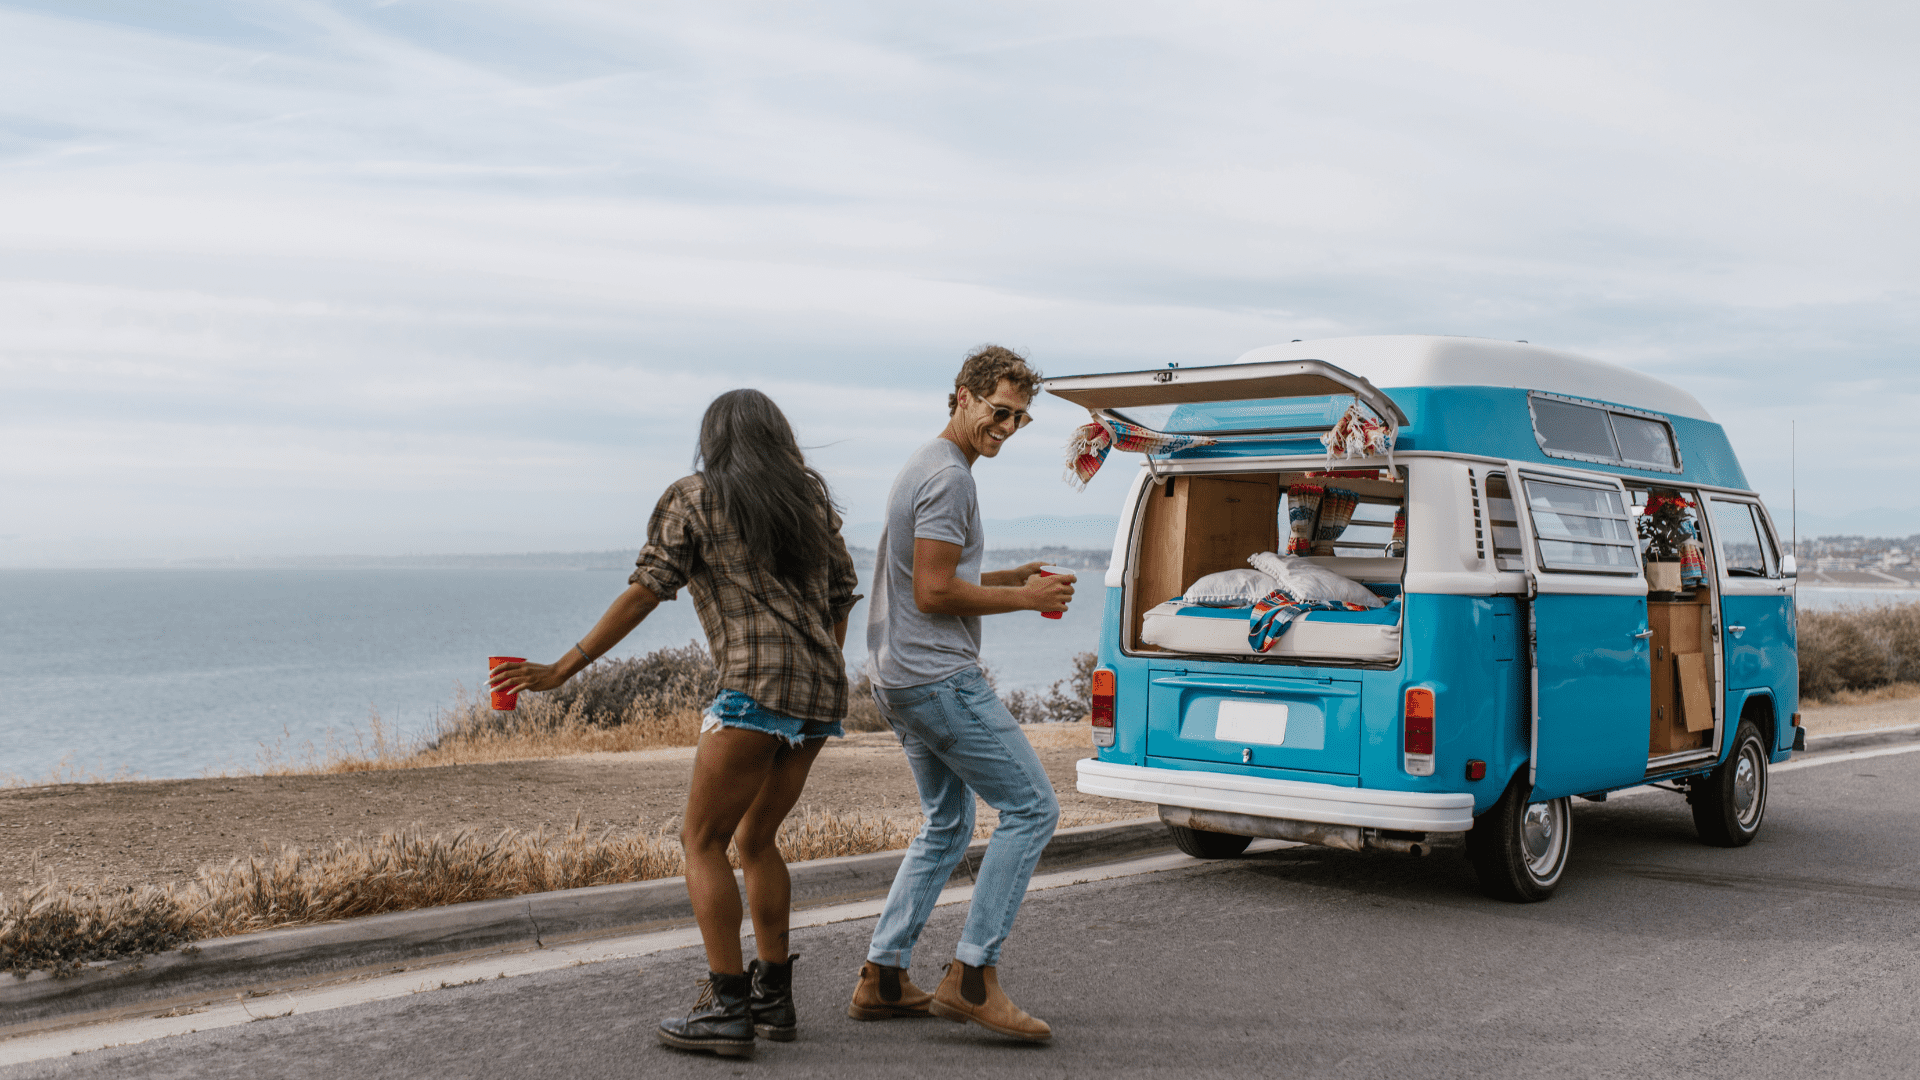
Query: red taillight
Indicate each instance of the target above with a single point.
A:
(1417, 732)
(1103, 697)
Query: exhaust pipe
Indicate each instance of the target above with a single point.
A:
(1345, 837)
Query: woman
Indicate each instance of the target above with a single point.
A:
(754, 534)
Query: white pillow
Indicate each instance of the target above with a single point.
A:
(1228, 588)
(1306, 581)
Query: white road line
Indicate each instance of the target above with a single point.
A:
(429, 977)
(1864, 731)
(1851, 755)
(1803, 763)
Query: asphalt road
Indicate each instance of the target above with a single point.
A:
(1798, 956)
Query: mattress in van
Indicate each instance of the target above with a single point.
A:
(1343, 635)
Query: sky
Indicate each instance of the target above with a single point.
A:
(400, 277)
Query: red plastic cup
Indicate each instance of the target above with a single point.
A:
(504, 700)
(1053, 571)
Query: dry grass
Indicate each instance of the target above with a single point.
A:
(1858, 649)
(460, 741)
(638, 703)
(641, 703)
(59, 928)
(67, 771)
(1903, 691)
(1050, 736)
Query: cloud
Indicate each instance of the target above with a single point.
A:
(388, 255)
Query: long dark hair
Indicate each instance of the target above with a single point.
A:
(763, 485)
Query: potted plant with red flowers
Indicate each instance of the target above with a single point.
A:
(1663, 526)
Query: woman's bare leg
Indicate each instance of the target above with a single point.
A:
(729, 770)
(769, 891)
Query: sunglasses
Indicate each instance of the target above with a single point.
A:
(1021, 417)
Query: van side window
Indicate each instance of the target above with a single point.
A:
(1570, 429)
(1747, 552)
(1581, 528)
(1574, 430)
(1504, 520)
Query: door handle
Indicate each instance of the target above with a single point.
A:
(1643, 635)
(1736, 631)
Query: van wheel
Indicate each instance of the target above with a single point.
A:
(1729, 802)
(1202, 844)
(1519, 849)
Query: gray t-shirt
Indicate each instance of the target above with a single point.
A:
(932, 499)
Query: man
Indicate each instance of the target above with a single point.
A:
(923, 637)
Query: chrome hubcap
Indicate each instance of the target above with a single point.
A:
(1541, 833)
(1746, 786)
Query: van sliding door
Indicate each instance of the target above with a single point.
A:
(1591, 632)
(1756, 609)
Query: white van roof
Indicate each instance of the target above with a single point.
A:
(1391, 360)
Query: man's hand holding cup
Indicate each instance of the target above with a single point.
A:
(1052, 590)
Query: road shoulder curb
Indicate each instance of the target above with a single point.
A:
(275, 960)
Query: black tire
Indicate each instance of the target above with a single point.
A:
(1519, 849)
(1202, 844)
(1730, 802)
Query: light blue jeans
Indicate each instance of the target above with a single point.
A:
(960, 740)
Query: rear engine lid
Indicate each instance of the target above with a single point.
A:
(1306, 724)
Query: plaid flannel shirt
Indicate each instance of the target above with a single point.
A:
(768, 642)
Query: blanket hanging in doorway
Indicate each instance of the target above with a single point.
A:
(1087, 450)
(1359, 434)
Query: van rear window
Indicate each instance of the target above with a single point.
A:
(1572, 429)
(1264, 415)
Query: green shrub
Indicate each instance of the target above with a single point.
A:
(1057, 706)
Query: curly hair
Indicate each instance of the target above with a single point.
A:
(985, 367)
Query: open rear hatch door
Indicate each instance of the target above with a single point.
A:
(1264, 393)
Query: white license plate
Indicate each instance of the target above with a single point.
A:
(1251, 722)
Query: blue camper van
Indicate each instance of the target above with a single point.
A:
(1528, 638)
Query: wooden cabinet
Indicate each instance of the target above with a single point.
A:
(1681, 716)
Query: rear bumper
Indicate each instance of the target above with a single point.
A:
(1290, 800)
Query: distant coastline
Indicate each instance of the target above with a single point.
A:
(621, 559)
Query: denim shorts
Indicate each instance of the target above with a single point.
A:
(733, 709)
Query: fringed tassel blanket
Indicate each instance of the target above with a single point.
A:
(1275, 612)
(1088, 448)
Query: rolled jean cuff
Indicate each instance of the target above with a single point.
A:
(899, 958)
(976, 955)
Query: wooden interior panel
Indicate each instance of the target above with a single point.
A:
(1228, 519)
(1199, 525)
(1162, 544)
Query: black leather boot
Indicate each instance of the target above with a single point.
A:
(720, 1022)
(773, 1015)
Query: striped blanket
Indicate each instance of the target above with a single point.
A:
(1275, 612)
(1087, 450)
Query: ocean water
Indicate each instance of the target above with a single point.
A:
(1814, 598)
(170, 673)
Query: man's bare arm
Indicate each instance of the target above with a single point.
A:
(1016, 576)
(938, 590)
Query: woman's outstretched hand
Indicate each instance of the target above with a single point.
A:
(625, 613)
(526, 677)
